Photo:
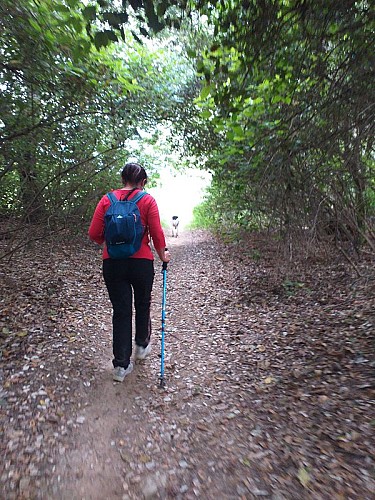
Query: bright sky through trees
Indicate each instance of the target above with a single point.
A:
(178, 194)
(178, 189)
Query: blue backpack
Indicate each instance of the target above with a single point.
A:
(123, 231)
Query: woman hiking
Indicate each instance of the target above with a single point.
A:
(133, 274)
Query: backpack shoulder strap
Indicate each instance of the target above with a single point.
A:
(112, 197)
(138, 196)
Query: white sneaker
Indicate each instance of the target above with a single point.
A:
(142, 352)
(119, 373)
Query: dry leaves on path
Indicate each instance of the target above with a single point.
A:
(268, 371)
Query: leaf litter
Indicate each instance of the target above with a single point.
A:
(269, 379)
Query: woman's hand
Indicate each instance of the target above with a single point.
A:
(167, 256)
(164, 255)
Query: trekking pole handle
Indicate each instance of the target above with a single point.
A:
(165, 264)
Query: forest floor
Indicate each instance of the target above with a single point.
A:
(268, 367)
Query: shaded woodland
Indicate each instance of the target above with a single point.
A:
(275, 98)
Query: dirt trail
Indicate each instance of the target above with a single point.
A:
(139, 440)
(268, 382)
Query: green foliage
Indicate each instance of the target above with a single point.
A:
(202, 219)
(288, 92)
(291, 287)
(255, 254)
(274, 98)
(107, 21)
(70, 107)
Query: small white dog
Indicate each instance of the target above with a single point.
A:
(175, 223)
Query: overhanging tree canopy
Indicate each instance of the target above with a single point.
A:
(284, 120)
(70, 106)
(289, 92)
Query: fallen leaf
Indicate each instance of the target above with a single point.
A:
(303, 476)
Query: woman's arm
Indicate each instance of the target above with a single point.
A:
(96, 229)
(156, 231)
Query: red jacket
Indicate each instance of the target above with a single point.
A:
(150, 219)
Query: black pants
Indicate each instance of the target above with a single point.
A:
(121, 278)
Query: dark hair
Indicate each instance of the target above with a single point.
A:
(133, 173)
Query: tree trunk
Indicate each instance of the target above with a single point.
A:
(31, 198)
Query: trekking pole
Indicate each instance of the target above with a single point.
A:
(164, 272)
